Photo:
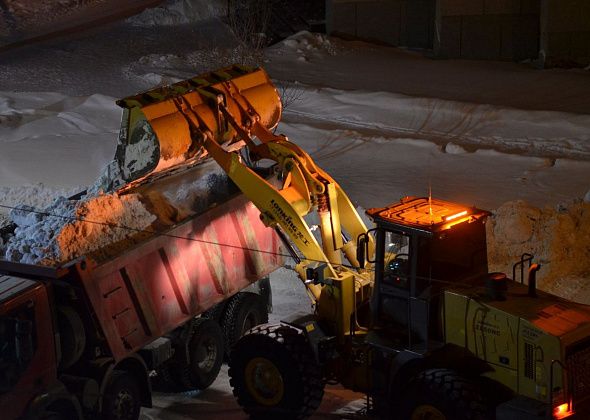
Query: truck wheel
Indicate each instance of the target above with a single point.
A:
(441, 394)
(244, 311)
(215, 313)
(122, 399)
(205, 350)
(274, 375)
(52, 415)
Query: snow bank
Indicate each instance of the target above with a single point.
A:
(307, 45)
(540, 133)
(165, 69)
(58, 140)
(559, 238)
(177, 12)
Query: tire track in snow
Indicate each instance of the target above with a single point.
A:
(536, 147)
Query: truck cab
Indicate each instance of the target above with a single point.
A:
(28, 367)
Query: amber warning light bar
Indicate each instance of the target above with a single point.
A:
(454, 216)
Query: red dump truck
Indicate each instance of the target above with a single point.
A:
(81, 340)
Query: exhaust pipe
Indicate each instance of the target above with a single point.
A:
(533, 279)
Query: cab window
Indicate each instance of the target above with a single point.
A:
(396, 259)
(17, 345)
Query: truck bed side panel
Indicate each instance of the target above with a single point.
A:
(157, 286)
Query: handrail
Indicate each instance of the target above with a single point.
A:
(526, 257)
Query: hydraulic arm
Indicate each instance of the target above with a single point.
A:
(217, 113)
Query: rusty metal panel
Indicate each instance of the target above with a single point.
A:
(160, 284)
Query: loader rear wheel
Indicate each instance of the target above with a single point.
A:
(203, 345)
(274, 375)
(442, 394)
(243, 312)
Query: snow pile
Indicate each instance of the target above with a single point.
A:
(308, 45)
(67, 229)
(178, 12)
(559, 238)
(106, 224)
(160, 70)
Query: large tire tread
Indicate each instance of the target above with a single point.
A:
(289, 345)
(239, 307)
(457, 397)
(182, 373)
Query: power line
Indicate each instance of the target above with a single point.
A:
(155, 232)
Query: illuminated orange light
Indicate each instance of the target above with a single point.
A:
(456, 215)
(456, 222)
(562, 411)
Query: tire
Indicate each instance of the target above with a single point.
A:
(442, 394)
(274, 375)
(203, 343)
(52, 415)
(243, 312)
(215, 313)
(122, 398)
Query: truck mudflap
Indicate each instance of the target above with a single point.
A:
(164, 282)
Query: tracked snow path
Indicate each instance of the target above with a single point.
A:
(376, 169)
(535, 133)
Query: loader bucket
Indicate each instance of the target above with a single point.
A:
(156, 136)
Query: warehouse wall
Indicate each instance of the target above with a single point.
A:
(553, 32)
(407, 23)
(488, 29)
(565, 32)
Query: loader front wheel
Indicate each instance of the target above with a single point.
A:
(274, 375)
(442, 394)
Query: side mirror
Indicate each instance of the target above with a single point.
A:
(361, 246)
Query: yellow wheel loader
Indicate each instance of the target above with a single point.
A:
(405, 312)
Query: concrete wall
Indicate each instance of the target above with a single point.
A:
(556, 31)
(565, 32)
(488, 29)
(408, 23)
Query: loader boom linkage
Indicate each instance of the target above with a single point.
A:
(305, 187)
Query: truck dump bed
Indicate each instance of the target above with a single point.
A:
(159, 284)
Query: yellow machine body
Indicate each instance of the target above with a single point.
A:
(531, 345)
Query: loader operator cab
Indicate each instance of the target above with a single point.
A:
(422, 246)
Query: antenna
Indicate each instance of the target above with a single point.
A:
(430, 202)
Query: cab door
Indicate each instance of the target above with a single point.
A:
(27, 349)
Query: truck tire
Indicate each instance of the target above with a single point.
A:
(243, 312)
(215, 313)
(441, 394)
(204, 344)
(122, 397)
(274, 375)
(72, 336)
(52, 415)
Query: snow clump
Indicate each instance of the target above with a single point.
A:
(177, 12)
